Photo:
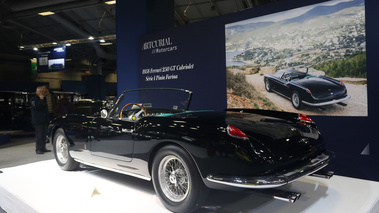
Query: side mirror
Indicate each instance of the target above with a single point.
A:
(104, 113)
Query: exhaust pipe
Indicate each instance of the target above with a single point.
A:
(277, 194)
(287, 196)
(323, 174)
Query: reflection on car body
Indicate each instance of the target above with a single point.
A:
(184, 153)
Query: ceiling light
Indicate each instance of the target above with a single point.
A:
(35, 48)
(91, 38)
(110, 2)
(107, 39)
(22, 47)
(47, 13)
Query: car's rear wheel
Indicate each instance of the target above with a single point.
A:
(296, 100)
(61, 153)
(267, 85)
(177, 181)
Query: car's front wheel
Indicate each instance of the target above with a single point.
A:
(61, 153)
(177, 181)
(267, 85)
(296, 100)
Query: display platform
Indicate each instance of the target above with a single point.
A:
(44, 187)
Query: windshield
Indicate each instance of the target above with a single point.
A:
(154, 101)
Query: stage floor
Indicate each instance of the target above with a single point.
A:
(43, 187)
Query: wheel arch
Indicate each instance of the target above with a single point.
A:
(53, 130)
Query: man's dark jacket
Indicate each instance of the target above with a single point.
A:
(40, 111)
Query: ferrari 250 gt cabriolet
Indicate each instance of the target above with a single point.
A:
(152, 134)
(304, 88)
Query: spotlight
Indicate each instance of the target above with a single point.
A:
(110, 2)
(47, 13)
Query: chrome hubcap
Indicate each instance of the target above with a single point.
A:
(173, 178)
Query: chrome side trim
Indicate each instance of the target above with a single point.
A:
(115, 170)
(328, 102)
(271, 181)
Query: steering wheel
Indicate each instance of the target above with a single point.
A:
(134, 116)
(286, 77)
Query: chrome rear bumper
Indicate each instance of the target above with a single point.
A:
(328, 102)
(275, 180)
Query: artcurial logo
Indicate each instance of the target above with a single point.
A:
(157, 43)
(159, 46)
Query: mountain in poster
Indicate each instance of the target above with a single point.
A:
(330, 27)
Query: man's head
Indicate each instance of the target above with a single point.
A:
(46, 89)
(40, 91)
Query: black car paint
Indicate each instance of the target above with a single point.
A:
(310, 88)
(276, 141)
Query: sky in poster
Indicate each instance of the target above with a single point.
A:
(286, 14)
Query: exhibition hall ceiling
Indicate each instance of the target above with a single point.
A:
(74, 21)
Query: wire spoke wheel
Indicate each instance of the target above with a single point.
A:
(173, 178)
(61, 149)
(267, 85)
(296, 100)
(177, 180)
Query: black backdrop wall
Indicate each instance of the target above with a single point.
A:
(193, 57)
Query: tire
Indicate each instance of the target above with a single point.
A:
(61, 153)
(177, 181)
(296, 100)
(267, 85)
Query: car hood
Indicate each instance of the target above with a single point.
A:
(322, 88)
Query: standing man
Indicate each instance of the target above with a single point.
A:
(40, 119)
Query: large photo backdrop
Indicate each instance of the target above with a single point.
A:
(329, 42)
(326, 39)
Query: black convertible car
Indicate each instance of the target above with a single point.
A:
(151, 134)
(304, 88)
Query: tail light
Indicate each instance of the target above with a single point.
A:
(236, 133)
(305, 119)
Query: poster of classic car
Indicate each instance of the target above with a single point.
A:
(324, 43)
(306, 89)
